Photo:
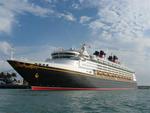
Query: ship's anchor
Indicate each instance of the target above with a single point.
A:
(36, 75)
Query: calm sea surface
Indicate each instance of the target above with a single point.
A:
(27, 101)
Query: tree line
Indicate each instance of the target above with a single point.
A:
(7, 78)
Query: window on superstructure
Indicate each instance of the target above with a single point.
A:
(63, 55)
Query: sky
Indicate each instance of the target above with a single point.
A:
(34, 28)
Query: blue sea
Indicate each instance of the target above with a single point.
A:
(27, 101)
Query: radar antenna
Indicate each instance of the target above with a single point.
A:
(83, 50)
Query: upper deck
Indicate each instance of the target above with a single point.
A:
(82, 54)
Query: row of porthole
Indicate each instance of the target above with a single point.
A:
(114, 78)
(113, 75)
(114, 72)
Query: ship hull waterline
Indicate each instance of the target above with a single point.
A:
(50, 78)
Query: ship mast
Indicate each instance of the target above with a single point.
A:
(83, 50)
(12, 54)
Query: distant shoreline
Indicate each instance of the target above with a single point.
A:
(15, 87)
(143, 87)
(29, 87)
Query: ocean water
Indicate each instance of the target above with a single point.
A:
(27, 101)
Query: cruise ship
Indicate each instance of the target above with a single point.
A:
(76, 69)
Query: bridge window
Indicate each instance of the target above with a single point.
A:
(63, 55)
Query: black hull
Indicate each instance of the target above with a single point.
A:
(37, 75)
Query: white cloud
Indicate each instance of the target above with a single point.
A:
(22, 6)
(5, 48)
(84, 19)
(96, 25)
(9, 9)
(125, 20)
(75, 6)
(67, 16)
(6, 20)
